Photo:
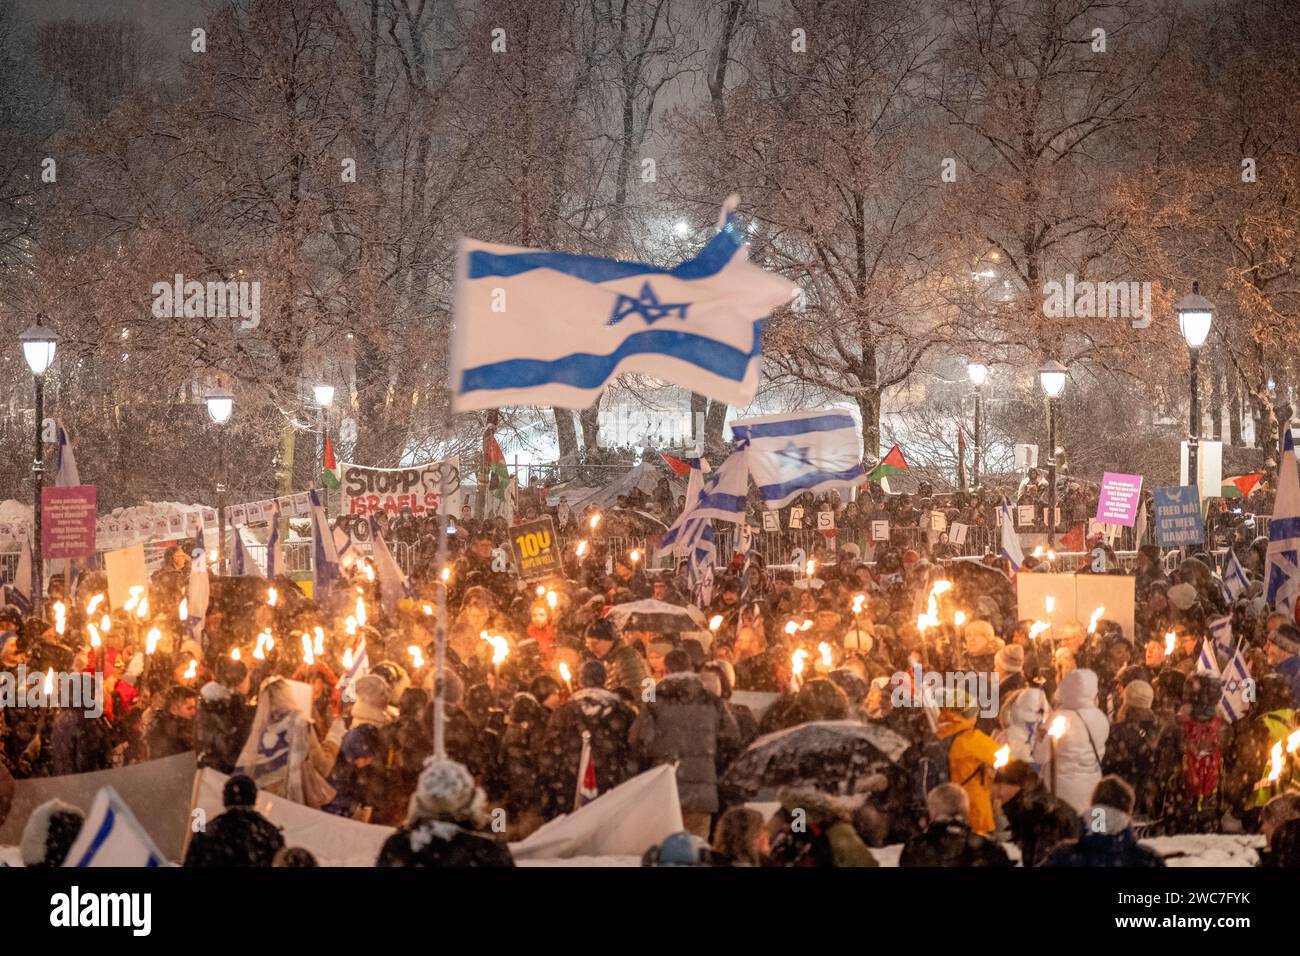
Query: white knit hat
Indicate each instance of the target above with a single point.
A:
(446, 791)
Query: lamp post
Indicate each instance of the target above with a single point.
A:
(1052, 379)
(39, 344)
(220, 406)
(979, 374)
(324, 395)
(1195, 313)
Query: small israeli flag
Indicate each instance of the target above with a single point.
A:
(1238, 689)
(274, 558)
(1011, 549)
(1235, 581)
(112, 836)
(1220, 631)
(66, 474)
(552, 328)
(325, 554)
(721, 497)
(1282, 567)
(801, 452)
(1206, 662)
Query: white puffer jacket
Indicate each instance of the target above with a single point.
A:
(1022, 714)
(1080, 750)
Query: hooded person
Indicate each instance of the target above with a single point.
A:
(1037, 820)
(374, 695)
(239, 837)
(223, 718)
(1080, 750)
(447, 811)
(1106, 837)
(1009, 663)
(49, 833)
(1024, 725)
(282, 755)
(1145, 749)
(971, 756)
(359, 778)
(813, 828)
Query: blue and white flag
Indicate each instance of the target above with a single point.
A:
(804, 451)
(242, 561)
(722, 497)
(1220, 633)
(66, 475)
(1238, 689)
(1205, 661)
(1011, 549)
(552, 328)
(112, 836)
(19, 592)
(325, 556)
(1235, 581)
(198, 534)
(1282, 567)
(392, 582)
(353, 671)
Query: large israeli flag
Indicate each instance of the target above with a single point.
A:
(1235, 582)
(112, 836)
(722, 497)
(802, 451)
(1282, 570)
(551, 328)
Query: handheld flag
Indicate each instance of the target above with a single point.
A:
(721, 497)
(1235, 581)
(1239, 486)
(1206, 662)
(1220, 633)
(19, 590)
(274, 556)
(112, 836)
(1282, 566)
(1238, 690)
(392, 582)
(1011, 549)
(498, 475)
(325, 555)
(329, 476)
(892, 464)
(534, 327)
(801, 452)
(681, 467)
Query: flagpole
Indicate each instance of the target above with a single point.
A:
(440, 626)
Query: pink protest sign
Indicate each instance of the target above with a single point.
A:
(68, 522)
(1120, 495)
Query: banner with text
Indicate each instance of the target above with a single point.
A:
(68, 522)
(368, 491)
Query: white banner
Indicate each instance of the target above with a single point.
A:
(369, 491)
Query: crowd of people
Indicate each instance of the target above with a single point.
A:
(551, 694)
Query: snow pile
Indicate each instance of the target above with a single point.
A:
(1208, 849)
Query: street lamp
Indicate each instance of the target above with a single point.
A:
(220, 406)
(1195, 313)
(39, 344)
(979, 374)
(1052, 379)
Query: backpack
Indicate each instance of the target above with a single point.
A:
(1202, 756)
(934, 768)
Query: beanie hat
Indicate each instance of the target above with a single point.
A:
(1182, 596)
(373, 690)
(980, 639)
(602, 630)
(592, 674)
(1139, 694)
(1287, 638)
(361, 741)
(49, 833)
(1010, 659)
(446, 791)
(239, 791)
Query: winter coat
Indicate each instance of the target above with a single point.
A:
(1082, 748)
(1021, 717)
(625, 668)
(220, 727)
(79, 744)
(1118, 849)
(1038, 821)
(239, 837)
(759, 673)
(169, 735)
(952, 843)
(970, 765)
(609, 720)
(521, 748)
(1284, 848)
(1248, 759)
(439, 843)
(1145, 750)
(825, 836)
(688, 725)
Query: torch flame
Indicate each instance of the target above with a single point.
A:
(1049, 603)
(307, 657)
(446, 573)
(361, 612)
(142, 609)
(318, 646)
(1057, 730)
(154, 636)
(47, 688)
(582, 547)
(272, 596)
(797, 659)
(500, 646)
(565, 673)
(94, 635)
(1171, 639)
(1037, 628)
(1293, 742)
(635, 555)
(959, 618)
(825, 650)
(347, 659)
(541, 589)
(806, 625)
(1276, 763)
(791, 627)
(60, 617)
(1096, 616)
(858, 601)
(715, 622)
(105, 623)
(552, 599)
(811, 567)
(192, 671)
(350, 625)
(595, 520)
(1001, 756)
(234, 654)
(183, 612)
(94, 603)
(417, 659)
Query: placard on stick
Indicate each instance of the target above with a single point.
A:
(126, 569)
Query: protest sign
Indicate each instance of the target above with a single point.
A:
(1120, 495)
(1025, 515)
(957, 534)
(68, 522)
(126, 569)
(826, 521)
(368, 491)
(770, 521)
(1178, 516)
(796, 517)
(535, 548)
(880, 531)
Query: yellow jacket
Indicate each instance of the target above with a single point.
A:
(970, 766)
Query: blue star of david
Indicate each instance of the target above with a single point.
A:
(647, 305)
(794, 455)
(1232, 686)
(281, 741)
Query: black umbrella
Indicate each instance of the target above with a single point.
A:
(827, 754)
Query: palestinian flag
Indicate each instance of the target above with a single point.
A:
(329, 477)
(892, 464)
(1239, 486)
(498, 475)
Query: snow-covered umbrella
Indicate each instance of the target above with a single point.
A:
(830, 755)
(658, 617)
